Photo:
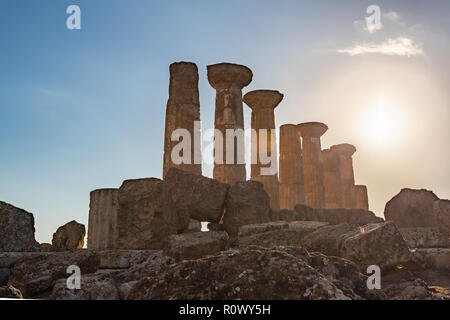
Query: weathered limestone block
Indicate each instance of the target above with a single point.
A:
(195, 245)
(433, 258)
(292, 190)
(146, 215)
(426, 237)
(93, 287)
(247, 273)
(273, 234)
(416, 208)
(204, 198)
(246, 203)
(9, 292)
(373, 244)
(16, 229)
(123, 259)
(69, 237)
(345, 152)
(338, 216)
(441, 209)
(194, 226)
(183, 109)
(37, 274)
(228, 79)
(102, 228)
(264, 146)
(331, 179)
(362, 199)
(313, 163)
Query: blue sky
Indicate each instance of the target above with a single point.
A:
(84, 109)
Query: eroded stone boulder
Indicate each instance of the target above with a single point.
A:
(428, 237)
(441, 209)
(69, 237)
(378, 244)
(146, 215)
(37, 274)
(195, 245)
(16, 230)
(204, 198)
(246, 203)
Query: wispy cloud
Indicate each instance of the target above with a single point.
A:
(392, 15)
(394, 47)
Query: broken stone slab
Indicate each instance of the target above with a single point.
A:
(146, 215)
(425, 237)
(195, 245)
(36, 275)
(16, 230)
(93, 287)
(123, 259)
(433, 258)
(69, 237)
(246, 203)
(378, 244)
(8, 259)
(204, 198)
(275, 234)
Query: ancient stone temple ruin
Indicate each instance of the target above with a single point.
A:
(102, 225)
(263, 104)
(292, 190)
(228, 79)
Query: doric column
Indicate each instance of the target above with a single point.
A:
(183, 112)
(345, 152)
(331, 179)
(264, 146)
(312, 163)
(292, 191)
(228, 80)
(362, 199)
(102, 228)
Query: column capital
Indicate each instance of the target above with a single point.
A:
(229, 75)
(312, 129)
(263, 99)
(344, 149)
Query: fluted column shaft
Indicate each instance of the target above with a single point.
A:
(291, 171)
(183, 109)
(345, 152)
(331, 179)
(362, 198)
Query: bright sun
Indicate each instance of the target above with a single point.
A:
(382, 122)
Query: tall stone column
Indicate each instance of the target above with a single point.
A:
(312, 163)
(362, 199)
(183, 109)
(228, 79)
(292, 191)
(263, 104)
(345, 152)
(102, 228)
(331, 179)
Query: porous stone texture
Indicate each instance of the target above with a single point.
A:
(264, 145)
(412, 208)
(378, 244)
(204, 198)
(93, 287)
(433, 258)
(194, 226)
(246, 203)
(36, 275)
(331, 179)
(274, 234)
(9, 292)
(345, 152)
(337, 216)
(4, 276)
(428, 237)
(146, 215)
(195, 245)
(250, 273)
(183, 109)
(16, 229)
(123, 259)
(228, 79)
(102, 225)
(292, 189)
(441, 209)
(362, 199)
(313, 163)
(69, 237)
